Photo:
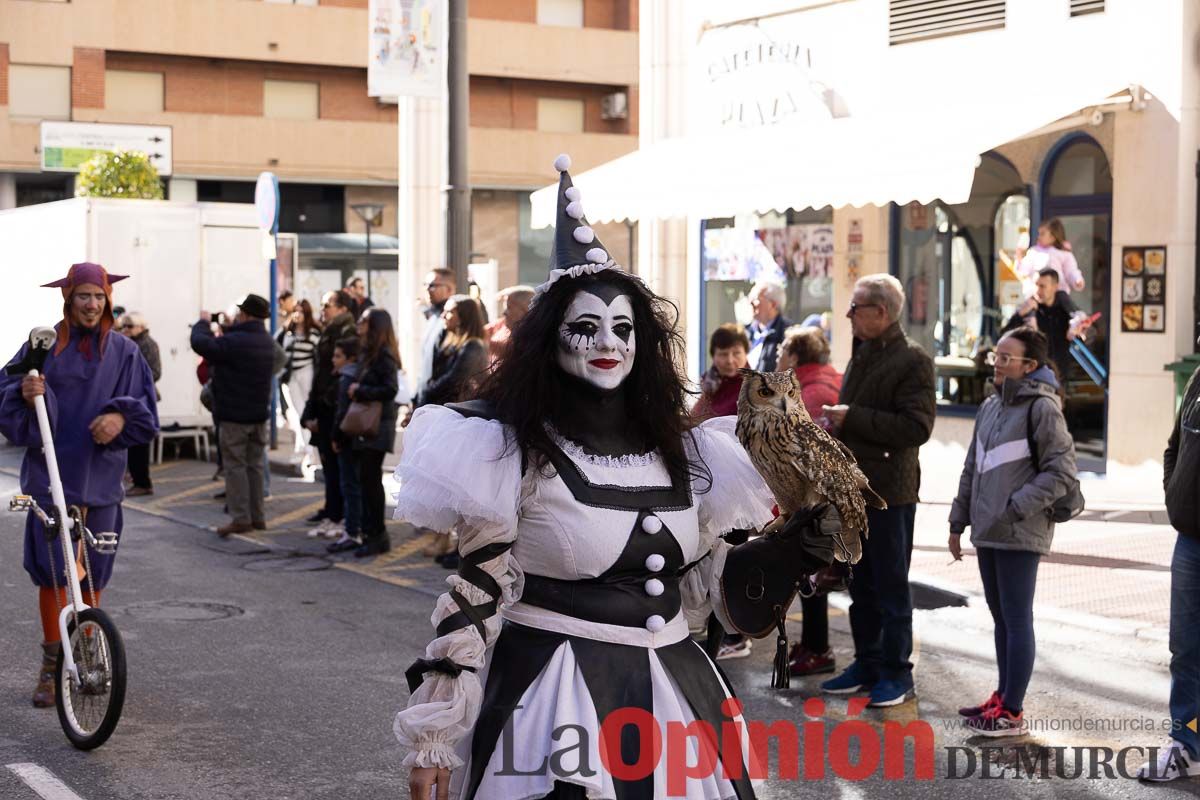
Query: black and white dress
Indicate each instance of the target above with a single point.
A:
(596, 572)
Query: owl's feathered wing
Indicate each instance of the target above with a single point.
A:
(803, 465)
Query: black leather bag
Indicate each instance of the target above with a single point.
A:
(763, 576)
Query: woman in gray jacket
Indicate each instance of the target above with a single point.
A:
(1006, 498)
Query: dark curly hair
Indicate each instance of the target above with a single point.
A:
(526, 387)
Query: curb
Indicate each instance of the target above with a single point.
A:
(1063, 616)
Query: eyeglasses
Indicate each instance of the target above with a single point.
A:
(854, 307)
(995, 359)
(436, 286)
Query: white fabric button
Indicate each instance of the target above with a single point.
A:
(655, 562)
(655, 623)
(654, 587)
(652, 524)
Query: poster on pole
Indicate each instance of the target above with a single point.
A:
(407, 48)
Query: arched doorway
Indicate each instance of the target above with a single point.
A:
(1076, 188)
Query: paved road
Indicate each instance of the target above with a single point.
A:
(252, 676)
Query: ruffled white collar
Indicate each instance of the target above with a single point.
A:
(576, 452)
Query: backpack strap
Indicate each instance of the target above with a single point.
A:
(1033, 448)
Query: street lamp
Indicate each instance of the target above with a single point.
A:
(371, 214)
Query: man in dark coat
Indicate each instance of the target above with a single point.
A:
(134, 326)
(241, 360)
(1051, 312)
(885, 413)
(1181, 479)
(767, 300)
(321, 407)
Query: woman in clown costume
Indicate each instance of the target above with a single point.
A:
(590, 513)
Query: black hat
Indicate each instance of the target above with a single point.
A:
(576, 250)
(255, 306)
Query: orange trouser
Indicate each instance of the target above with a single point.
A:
(49, 605)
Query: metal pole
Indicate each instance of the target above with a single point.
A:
(368, 258)
(274, 438)
(458, 227)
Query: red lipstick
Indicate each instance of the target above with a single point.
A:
(604, 363)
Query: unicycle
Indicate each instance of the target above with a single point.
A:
(90, 671)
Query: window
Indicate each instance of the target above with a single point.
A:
(291, 99)
(914, 20)
(1081, 169)
(1081, 7)
(559, 115)
(563, 13)
(794, 249)
(127, 90)
(39, 92)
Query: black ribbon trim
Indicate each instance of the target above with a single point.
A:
(469, 570)
(415, 675)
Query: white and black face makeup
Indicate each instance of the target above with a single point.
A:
(596, 339)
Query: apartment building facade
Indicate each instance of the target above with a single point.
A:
(281, 85)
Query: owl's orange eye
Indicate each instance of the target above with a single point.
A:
(765, 392)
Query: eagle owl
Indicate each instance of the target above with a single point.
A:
(801, 463)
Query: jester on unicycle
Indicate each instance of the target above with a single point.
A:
(77, 396)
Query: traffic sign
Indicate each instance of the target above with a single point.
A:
(66, 145)
(266, 201)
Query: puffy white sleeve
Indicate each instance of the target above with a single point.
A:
(738, 499)
(454, 472)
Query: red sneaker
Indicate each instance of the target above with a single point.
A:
(805, 662)
(998, 721)
(975, 711)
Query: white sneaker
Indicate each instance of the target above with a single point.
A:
(1174, 762)
(322, 526)
(731, 651)
(335, 530)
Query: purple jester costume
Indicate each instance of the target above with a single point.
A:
(89, 372)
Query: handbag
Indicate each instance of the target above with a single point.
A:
(1070, 505)
(362, 419)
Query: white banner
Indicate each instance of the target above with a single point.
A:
(407, 48)
(66, 145)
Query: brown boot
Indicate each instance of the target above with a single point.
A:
(43, 695)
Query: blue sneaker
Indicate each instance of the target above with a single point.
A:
(889, 693)
(849, 682)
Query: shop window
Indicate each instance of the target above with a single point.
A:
(1080, 169)
(291, 99)
(44, 187)
(562, 13)
(560, 115)
(533, 245)
(1011, 235)
(1078, 192)
(795, 249)
(39, 92)
(957, 265)
(129, 90)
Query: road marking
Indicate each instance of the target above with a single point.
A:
(303, 511)
(159, 502)
(42, 781)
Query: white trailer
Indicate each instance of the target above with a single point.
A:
(181, 258)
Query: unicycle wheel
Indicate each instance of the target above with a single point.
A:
(89, 710)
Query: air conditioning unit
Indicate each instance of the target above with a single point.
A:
(614, 106)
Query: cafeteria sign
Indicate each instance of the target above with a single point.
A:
(67, 145)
